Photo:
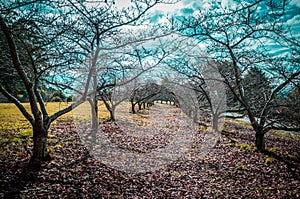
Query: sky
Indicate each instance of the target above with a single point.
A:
(187, 7)
(190, 7)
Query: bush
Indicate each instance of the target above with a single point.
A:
(57, 99)
(70, 98)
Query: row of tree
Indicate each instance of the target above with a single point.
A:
(92, 48)
(258, 82)
(47, 42)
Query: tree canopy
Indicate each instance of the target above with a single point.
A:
(90, 48)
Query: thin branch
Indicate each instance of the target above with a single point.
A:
(18, 104)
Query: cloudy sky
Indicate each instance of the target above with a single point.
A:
(188, 7)
(159, 13)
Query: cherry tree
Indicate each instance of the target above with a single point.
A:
(237, 37)
(47, 42)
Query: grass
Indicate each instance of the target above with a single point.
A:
(284, 134)
(13, 125)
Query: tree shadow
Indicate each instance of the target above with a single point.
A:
(27, 174)
(291, 163)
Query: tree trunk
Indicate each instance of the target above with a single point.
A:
(195, 117)
(95, 122)
(140, 106)
(40, 152)
(112, 114)
(91, 138)
(215, 122)
(132, 107)
(260, 141)
(190, 113)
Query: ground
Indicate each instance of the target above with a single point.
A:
(233, 168)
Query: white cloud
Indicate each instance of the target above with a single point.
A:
(169, 8)
(295, 2)
(120, 4)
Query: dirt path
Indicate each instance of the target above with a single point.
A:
(146, 141)
(159, 119)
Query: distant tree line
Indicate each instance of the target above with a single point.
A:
(49, 95)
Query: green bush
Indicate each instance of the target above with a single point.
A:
(57, 99)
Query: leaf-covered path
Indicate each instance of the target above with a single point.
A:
(142, 142)
(232, 169)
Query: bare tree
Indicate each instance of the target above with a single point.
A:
(237, 36)
(31, 42)
(208, 95)
(102, 36)
(142, 94)
(50, 45)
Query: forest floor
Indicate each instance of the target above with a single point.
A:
(228, 168)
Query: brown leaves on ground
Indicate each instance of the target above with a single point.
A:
(234, 169)
(141, 134)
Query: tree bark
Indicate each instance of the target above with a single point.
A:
(40, 134)
(94, 109)
(91, 138)
(260, 141)
(195, 116)
(132, 107)
(215, 122)
(112, 114)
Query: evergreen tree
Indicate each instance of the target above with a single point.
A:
(257, 89)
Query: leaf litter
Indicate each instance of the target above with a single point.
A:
(233, 169)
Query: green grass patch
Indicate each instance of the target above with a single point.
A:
(236, 122)
(10, 140)
(284, 134)
(269, 159)
(26, 133)
(245, 146)
(273, 149)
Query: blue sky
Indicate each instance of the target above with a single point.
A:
(187, 7)
(190, 7)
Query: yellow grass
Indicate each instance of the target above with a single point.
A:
(12, 121)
